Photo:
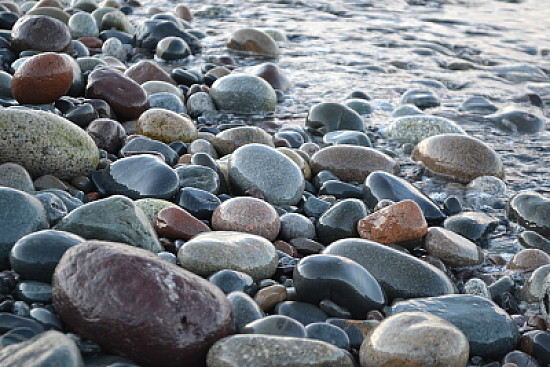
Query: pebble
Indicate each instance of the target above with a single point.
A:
(245, 94)
(32, 291)
(518, 121)
(406, 110)
(349, 137)
(529, 260)
(27, 34)
(531, 239)
(253, 41)
(415, 338)
(227, 141)
(477, 287)
(532, 211)
(167, 101)
(148, 70)
(114, 47)
(172, 48)
(199, 177)
(273, 75)
(166, 126)
(176, 223)
(475, 226)
(328, 333)
(536, 343)
(331, 116)
(533, 288)
(305, 313)
(276, 325)
(200, 103)
(340, 220)
(199, 203)
(107, 134)
(359, 105)
(295, 225)
(421, 98)
(478, 105)
(15, 176)
(451, 248)
(230, 281)
(244, 309)
(82, 24)
(413, 129)
(151, 207)
(154, 31)
(54, 206)
(147, 286)
(270, 296)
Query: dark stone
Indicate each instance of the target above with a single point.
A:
(305, 313)
(82, 115)
(141, 145)
(245, 309)
(532, 211)
(199, 177)
(330, 116)
(340, 221)
(233, 281)
(478, 105)
(356, 330)
(107, 134)
(315, 207)
(17, 335)
(199, 203)
(421, 98)
(452, 205)
(156, 30)
(46, 317)
(531, 239)
(340, 190)
(276, 325)
(328, 333)
(54, 206)
(9, 322)
(474, 226)
(518, 121)
(536, 343)
(31, 291)
(172, 48)
(521, 359)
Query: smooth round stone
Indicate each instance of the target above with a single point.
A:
(210, 252)
(151, 207)
(348, 137)
(50, 11)
(21, 214)
(35, 256)
(478, 105)
(399, 222)
(472, 225)
(253, 41)
(230, 281)
(520, 359)
(451, 248)
(276, 325)
(421, 98)
(413, 129)
(114, 47)
(107, 134)
(153, 87)
(125, 314)
(199, 103)
(273, 75)
(27, 34)
(32, 291)
(331, 116)
(10, 321)
(293, 138)
(15, 176)
(154, 31)
(46, 317)
(458, 157)
(199, 203)
(242, 93)
(415, 339)
(536, 344)
(359, 105)
(340, 220)
(294, 225)
(172, 48)
(529, 260)
(143, 145)
(386, 266)
(247, 214)
(262, 168)
(315, 207)
(477, 287)
(199, 177)
(140, 176)
(82, 115)
(202, 146)
(406, 110)
(305, 313)
(116, 218)
(533, 288)
(270, 296)
(83, 24)
(328, 333)
(532, 211)
(186, 77)
(352, 163)
(127, 98)
(490, 330)
(148, 70)
(176, 223)
(227, 141)
(42, 79)
(298, 159)
(183, 12)
(277, 351)
(339, 279)
(518, 121)
(167, 101)
(5, 85)
(166, 126)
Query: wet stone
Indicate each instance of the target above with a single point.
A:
(334, 310)
(107, 134)
(357, 330)
(421, 98)
(453, 249)
(9, 322)
(330, 116)
(172, 48)
(27, 34)
(532, 211)
(199, 177)
(294, 225)
(230, 281)
(340, 190)
(478, 105)
(328, 333)
(518, 121)
(276, 325)
(176, 223)
(244, 309)
(32, 291)
(141, 145)
(201, 204)
(474, 226)
(537, 344)
(340, 221)
(46, 317)
(242, 93)
(15, 176)
(254, 41)
(273, 75)
(270, 296)
(16, 336)
(339, 137)
(167, 101)
(305, 313)
(413, 129)
(531, 239)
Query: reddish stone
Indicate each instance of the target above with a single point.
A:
(42, 79)
(91, 42)
(399, 222)
(247, 214)
(130, 300)
(272, 74)
(529, 260)
(40, 33)
(176, 223)
(126, 97)
(147, 70)
(286, 247)
(183, 12)
(93, 196)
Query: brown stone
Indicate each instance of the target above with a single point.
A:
(129, 300)
(529, 260)
(176, 223)
(91, 42)
(247, 214)
(286, 247)
(42, 79)
(147, 70)
(399, 222)
(273, 75)
(458, 157)
(269, 297)
(107, 134)
(166, 126)
(125, 96)
(183, 12)
(40, 33)
(453, 249)
(229, 140)
(253, 41)
(46, 182)
(352, 163)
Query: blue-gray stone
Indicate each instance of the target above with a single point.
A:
(245, 309)
(276, 325)
(17, 335)
(328, 333)
(199, 177)
(478, 105)
(167, 101)
(305, 313)
(294, 225)
(142, 145)
(46, 318)
(340, 220)
(421, 98)
(233, 281)
(32, 291)
(349, 137)
(359, 105)
(356, 330)
(9, 322)
(55, 208)
(197, 202)
(71, 202)
(472, 225)
(330, 116)
(532, 211)
(315, 207)
(518, 121)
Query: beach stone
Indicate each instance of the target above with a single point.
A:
(183, 12)
(273, 75)
(349, 137)
(153, 31)
(328, 333)
(352, 163)
(140, 176)
(244, 309)
(359, 105)
(478, 105)
(107, 134)
(535, 343)
(202, 146)
(342, 280)
(200, 177)
(230, 281)
(166, 126)
(519, 358)
(199, 203)
(127, 99)
(51, 348)
(305, 313)
(210, 252)
(35, 256)
(406, 110)
(399, 222)
(172, 48)
(31, 291)
(270, 296)
(82, 24)
(15, 176)
(116, 218)
(5, 85)
(518, 121)
(298, 159)
(386, 266)
(421, 98)
(533, 288)
(199, 103)
(10, 322)
(242, 93)
(142, 145)
(340, 220)
(253, 41)
(458, 157)
(275, 351)
(148, 70)
(54, 206)
(247, 214)
(475, 226)
(21, 214)
(176, 223)
(331, 116)
(415, 338)
(413, 129)
(167, 101)
(124, 316)
(451, 248)
(151, 207)
(42, 79)
(490, 330)
(295, 225)
(40, 33)
(114, 47)
(477, 287)
(227, 141)
(50, 11)
(262, 168)
(153, 87)
(529, 260)
(276, 325)
(532, 211)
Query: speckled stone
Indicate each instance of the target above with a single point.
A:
(15, 176)
(529, 260)
(114, 47)
(44, 143)
(199, 103)
(532, 211)
(352, 163)
(242, 93)
(227, 141)
(245, 310)
(413, 129)
(275, 351)
(253, 41)
(451, 248)
(40, 33)
(533, 288)
(210, 252)
(166, 126)
(458, 157)
(83, 24)
(331, 116)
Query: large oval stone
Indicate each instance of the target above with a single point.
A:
(458, 157)
(412, 129)
(387, 265)
(532, 211)
(254, 41)
(352, 163)
(40, 33)
(331, 116)
(166, 126)
(210, 252)
(147, 70)
(130, 300)
(44, 143)
(262, 168)
(241, 93)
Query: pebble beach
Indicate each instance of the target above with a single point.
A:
(274, 183)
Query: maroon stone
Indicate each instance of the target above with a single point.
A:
(176, 223)
(108, 134)
(147, 70)
(126, 97)
(286, 247)
(131, 301)
(91, 42)
(273, 75)
(40, 33)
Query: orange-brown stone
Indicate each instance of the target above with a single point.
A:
(529, 260)
(176, 223)
(269, 297)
